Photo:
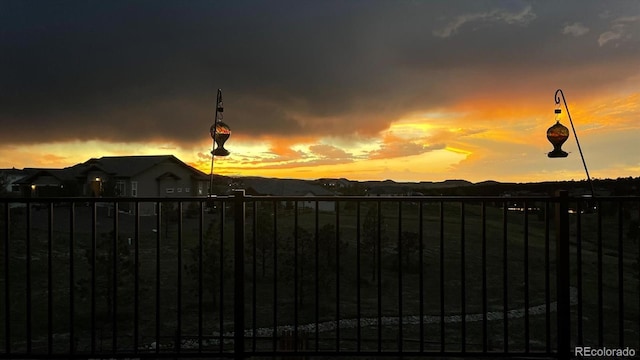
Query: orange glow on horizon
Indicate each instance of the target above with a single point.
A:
(474, 140)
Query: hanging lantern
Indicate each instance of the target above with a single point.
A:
(557, 135)
(220, 135)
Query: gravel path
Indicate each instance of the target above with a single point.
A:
(386, 321)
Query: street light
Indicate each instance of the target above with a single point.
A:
(558, 134)
(220, 133)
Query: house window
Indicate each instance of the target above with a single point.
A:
(187, 190)
(179, 190)
(120, 188)
(199, 188)
(134, 188)
(169, 190)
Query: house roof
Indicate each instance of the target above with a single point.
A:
(128, 166)
(120, 166)
(12, 171)
(34, 173)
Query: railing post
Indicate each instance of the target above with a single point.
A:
(238, 326)
(563, 275)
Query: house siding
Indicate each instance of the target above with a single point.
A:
(166, 175)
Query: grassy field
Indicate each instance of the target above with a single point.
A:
(286, 280)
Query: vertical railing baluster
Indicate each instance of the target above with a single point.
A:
(547, 276)
(158, 232)
(358, 283)
(463, 292)
(114, 267)
(200, 273)
(620, 274)
(136, 279)
(563, 275)
(275, 275)
(239, 231)
(379, 270)
(254, 283)
(72, 229)
(263, 245)
(485, 335)
(421, 266)
(337, 207)
(94, 234)
(579, 211)
(527, 347)
(295, 275)
(600, 285)
(7, 279)
(178, 344)
(505, 276)
(50, 281)
(442, 287)
(400, 333)
(28, 278)
(317, 277)
(223, 207)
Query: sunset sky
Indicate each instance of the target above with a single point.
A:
(366, 90)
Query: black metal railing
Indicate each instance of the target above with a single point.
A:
(245, 276)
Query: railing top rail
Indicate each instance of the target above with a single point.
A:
(397, 198)
(252, 198)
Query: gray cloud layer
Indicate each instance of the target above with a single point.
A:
(143, 70)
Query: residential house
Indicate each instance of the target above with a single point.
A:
(289, 187)
(134, 176)
(41, 182)
(335, 183)
(141, 176)
(8, 178)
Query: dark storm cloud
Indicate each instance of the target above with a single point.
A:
(142, 70)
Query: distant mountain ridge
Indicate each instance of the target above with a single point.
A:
(458, 187)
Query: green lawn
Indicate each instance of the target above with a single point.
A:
(295, 277)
